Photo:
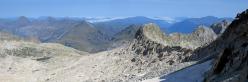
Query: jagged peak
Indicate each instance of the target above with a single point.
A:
(151, 32)
(234, 28)
(243, 15)
(202, 29)
(220, 27)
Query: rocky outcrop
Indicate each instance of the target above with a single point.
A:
(220, 27)
(231, 65)
(151, 52)
(149, 40)
(201, 36)
(151, 32)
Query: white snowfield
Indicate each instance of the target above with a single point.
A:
(194, 73)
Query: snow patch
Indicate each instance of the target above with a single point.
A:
(194, 73)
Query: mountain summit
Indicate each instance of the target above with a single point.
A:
(82, 36)
(152, 32)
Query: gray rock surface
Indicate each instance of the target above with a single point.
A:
(200, 37)
(152, 55)
(220, 27)
(231, 65)
(149, 53)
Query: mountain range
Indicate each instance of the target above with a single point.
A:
(96, 36)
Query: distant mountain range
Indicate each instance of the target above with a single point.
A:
(115, 26)
(181, 25)
(88, 36)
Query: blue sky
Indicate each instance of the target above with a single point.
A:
(122, 8)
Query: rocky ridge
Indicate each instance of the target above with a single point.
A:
(151, 55)
(220, 27)
(231, 63)
(198, 38)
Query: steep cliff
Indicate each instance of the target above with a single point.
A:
(231, 65)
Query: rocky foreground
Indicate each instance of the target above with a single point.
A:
(146, 53)
(145, 57)
(231, 65)
(224, 60)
